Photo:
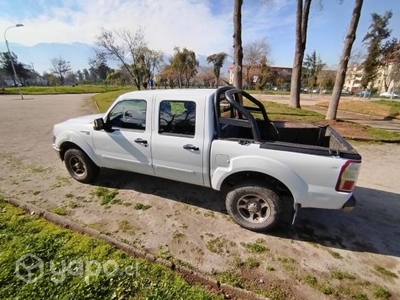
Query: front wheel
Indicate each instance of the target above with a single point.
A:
(254, 206)
(80, 166)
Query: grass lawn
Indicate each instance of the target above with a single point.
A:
(283, 112)
(382, 108)
(104, 100)
(267, 92)
(66, 89)
(69, 268)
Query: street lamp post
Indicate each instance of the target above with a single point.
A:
(11, 59)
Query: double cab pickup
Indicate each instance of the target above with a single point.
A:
(217, 138)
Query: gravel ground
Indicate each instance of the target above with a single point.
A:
(189, 224)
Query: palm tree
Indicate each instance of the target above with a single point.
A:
(217, 60)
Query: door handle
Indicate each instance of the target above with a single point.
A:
(141, 141)
(190, 147)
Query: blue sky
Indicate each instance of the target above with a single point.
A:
(204, 26)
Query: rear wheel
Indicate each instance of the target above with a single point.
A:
(80, 166)
(254, 205)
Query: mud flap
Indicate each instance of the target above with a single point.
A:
(296, 210)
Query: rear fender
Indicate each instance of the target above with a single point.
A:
(297, 186)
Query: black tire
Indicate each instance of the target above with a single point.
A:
(254, 205)
(80, 166)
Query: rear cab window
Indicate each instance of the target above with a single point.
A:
(177, 118)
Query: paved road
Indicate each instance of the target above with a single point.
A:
(27, 124)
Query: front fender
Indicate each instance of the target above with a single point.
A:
(83, 142)
(297, 186)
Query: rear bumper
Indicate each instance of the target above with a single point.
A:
(350, 204)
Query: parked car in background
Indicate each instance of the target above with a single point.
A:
(389, 95)
(346, 92)
(365, 94)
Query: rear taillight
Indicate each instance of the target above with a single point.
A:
(348, 176)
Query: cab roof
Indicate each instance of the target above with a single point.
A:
(182, 92)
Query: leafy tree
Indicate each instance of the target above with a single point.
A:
(22, 70)
(344, 60)
(391, 63)
(79, 74)
(114, 77)
(265, 74)
(237, 44)
(185, 64)
(302, 14)
(60, 68)
(70, 77)
(86, 75)
(99, 67)
(314, 65)
(217, 60)
(374, 38)
(93, 77)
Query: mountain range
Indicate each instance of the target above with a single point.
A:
(77, 54)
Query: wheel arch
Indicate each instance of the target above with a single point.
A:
(66, 145)
(235, 178)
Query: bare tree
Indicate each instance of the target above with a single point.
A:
(302, 14)
(168, 76)
(206, 76)
(142, 61)
(217, 60)
(253, 55)
(326, 79)
(106, 44)
(60, 68)
(237, 43)
(344, 60)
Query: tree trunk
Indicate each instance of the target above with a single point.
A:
(344, 61)
(301, 39)
(237, 44)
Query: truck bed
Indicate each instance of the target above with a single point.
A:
(308, 138)
(300, 137)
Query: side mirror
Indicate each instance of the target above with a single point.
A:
(98, 124)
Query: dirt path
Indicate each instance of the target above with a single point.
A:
(327, 254)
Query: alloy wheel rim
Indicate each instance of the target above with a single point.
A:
(77, 166)
(253, 208)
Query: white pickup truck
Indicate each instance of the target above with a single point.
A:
(218, 138)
